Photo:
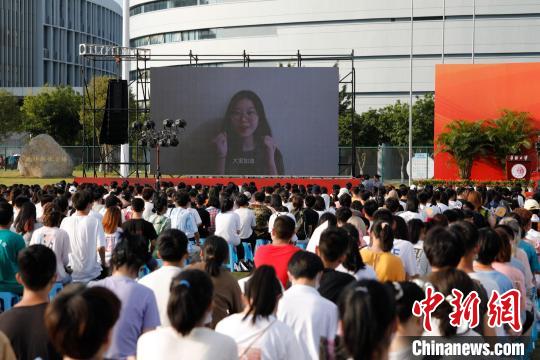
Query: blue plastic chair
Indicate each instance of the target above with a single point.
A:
(8, 300)
(259, 243)
(201, 241)
(302, 246)
(248, 253)
(57, 287)
(233, 258)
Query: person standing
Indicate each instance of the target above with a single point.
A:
(247, 220)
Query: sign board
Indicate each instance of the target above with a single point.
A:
(422, 166)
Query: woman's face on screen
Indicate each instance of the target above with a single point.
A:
(244, 118)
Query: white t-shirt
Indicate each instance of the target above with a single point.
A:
(201, 343)
(159, 282)
(228, 227)
(58, 241)
(196, 215)
(267, 339)
(367, 273)
(326, 199)
(86, 235)
(147, 212)
(247, 221)
(183, 220)
(311, 317)
(316, 237)
(422, 263)
(409, 215)
(405, 250)
(96, 214)
(110, 243)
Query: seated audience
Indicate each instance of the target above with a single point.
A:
(189, 311)
(80, 321)
(24, 324)
(257, 331)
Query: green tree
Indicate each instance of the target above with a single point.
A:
(10, 114)
(53, 111)
(509, 134)
(464, 140)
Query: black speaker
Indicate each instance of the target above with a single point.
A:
(114, 129)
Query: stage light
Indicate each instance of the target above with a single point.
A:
(136, 126)
(167, 123)
(163, 142)
(180, 123)
(173, 142)
(149, 125)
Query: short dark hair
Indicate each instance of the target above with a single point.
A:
(132, 251)
(191, 296)
(6, 213)
(309, 201)
(284, 227)
(259, 196)
(37, 266)
(467, 233)
(489, 243)
(147, 193)
(262, 290)
(370, 207)
(304, 264)
(345, 200)
(172, 245)
(392, 204)
(80, 318)
(242, 200)
(81, 200)
(343, 214)
(181, 198)
(333, 243)
(443, 248)
(137, 205)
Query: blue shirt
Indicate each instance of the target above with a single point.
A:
(502, 280)
(531, 255)
(183, 220)
(139, 313)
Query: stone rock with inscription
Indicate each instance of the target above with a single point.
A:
(43, 158)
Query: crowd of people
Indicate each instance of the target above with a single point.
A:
(147, 274)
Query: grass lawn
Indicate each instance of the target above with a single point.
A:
(10, 177)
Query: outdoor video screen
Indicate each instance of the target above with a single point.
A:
(248, 121)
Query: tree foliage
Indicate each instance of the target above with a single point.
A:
(53, 111)
(464, 140)
(389, 124)
(10, 114)
(510, 134)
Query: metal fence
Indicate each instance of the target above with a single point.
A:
(390, 162)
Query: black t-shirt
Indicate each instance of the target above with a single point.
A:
(140, 227)
(332, 284)
(205, 224)
(311, 219)
(25, 328)
(251, 162)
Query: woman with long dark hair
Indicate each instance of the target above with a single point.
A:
(245, 144)
(256, 330)
(25, 223)
(227, 294)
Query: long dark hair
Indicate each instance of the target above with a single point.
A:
(215, 253)
(263, 291)
(191, 296)
(263, 129)
(367, 310)
(353, 261)
(26, 219)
